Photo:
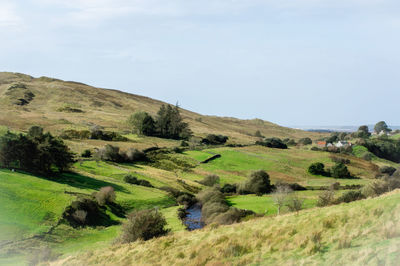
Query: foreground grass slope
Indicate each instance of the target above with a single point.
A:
(358, 233)
(58, 105)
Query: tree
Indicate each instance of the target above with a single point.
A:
(340, 171)
(280, 196)
(257, 183)
(317, 169)
(272, 143)
(381, 126)
(169, 123)
(35, 152)
(142, 123)
(362, 132)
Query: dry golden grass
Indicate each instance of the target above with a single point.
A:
(110, 109)
(365, 232)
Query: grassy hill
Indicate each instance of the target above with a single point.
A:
(57, 105)
(359, 233)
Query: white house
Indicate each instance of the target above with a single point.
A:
(342, 143)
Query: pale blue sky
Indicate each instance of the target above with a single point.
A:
(298, 62)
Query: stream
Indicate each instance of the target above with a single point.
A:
(193, 218)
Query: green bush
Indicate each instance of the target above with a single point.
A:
(229, 188)
(305, 141)
(258, 183)
(213, 139)
(144, 225)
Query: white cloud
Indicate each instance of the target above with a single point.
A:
(8, 15)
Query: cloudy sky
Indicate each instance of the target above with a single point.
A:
(293, 62)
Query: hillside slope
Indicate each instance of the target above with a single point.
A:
(365, 232)
(57, 105)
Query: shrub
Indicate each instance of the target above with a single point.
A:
(257, 183)
(294, 203)
(133, 155)
(305, 141)
(86, 154)
(340, 160)
(366, 156)
(135, 181)
(335, 186)
(232, 215)
(317, 169)
(229, 188)
(280, 195)
(350, 196)
(340, 171)
(142, 123)
(80, 216)
(186, 199)
(326, 198)
(144, 225)
(213, 139)
(105, 195)
(258, 134)
(272, 143)
(209, 180)
(387, 170)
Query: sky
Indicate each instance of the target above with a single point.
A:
(291, 62)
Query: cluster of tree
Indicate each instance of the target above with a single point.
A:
(114, 154)
(384, 148)
(213, 139)
(272, 143)
(258, 183)
(216, 210)
(167, 124)
(95, 133)
(339, 170)
(337, 136)
(363, 131)
(35, 152)
(289, 142)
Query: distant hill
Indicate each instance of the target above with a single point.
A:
(57, 105)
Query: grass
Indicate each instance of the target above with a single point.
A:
(288, 165)
(364, 232)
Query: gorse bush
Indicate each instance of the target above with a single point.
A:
(114, 154)
(305, 141)
(228, 188)
(143, 225)
(326, 198)
(86, 154)
(258, 183)
(350, 196)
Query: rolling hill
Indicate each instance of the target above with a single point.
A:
(57, 105)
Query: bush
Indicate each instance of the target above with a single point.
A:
(335, 186)
(294, 203)
(340, 171)
(387, 170)
(317, 169)
(186, 199)
(213, 139)
(272, 143)
(144, 225)
(350, 196)
(229, 188)
(105, 195)
(305, 141)
(326, 198)
(135, 181)
(134, 155)
(209, 180)
(257, 183)
(86, 154)
(340, 160)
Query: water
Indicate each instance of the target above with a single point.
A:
(193, 218)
